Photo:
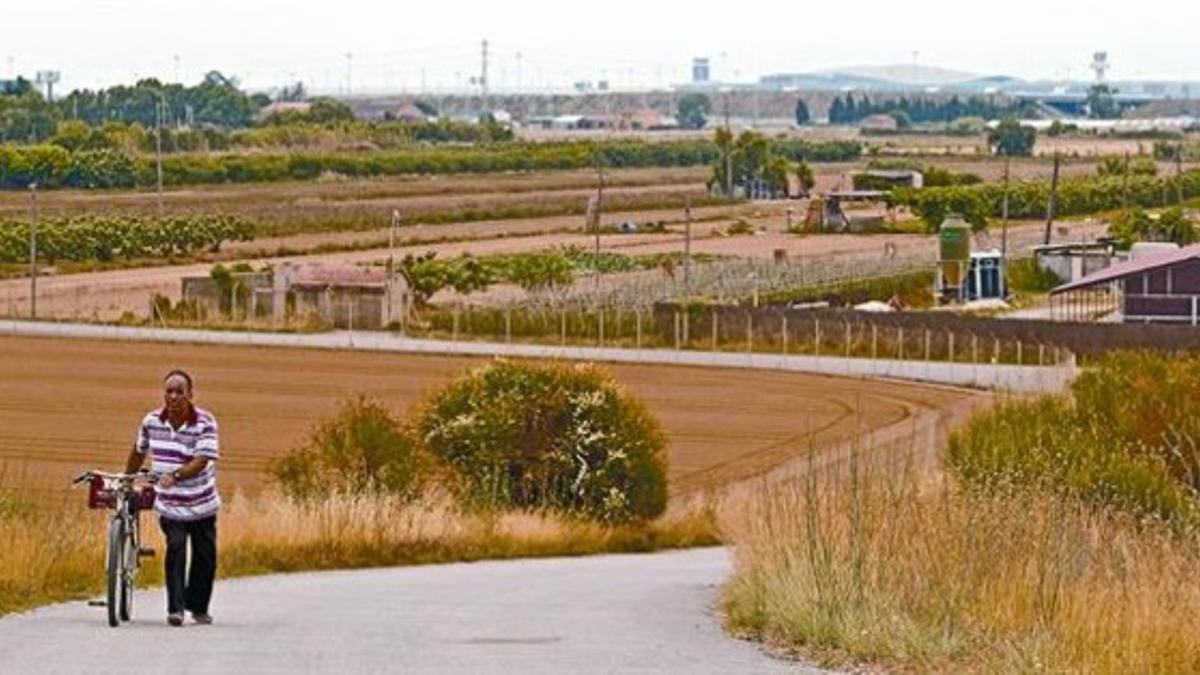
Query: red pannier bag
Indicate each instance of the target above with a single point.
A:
(99, 496)
(102, 497)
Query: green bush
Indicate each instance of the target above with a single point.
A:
(549, 436)
(360, 450)
(1125, 437)
(1025, 276)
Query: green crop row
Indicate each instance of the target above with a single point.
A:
(52, 166)
(106, 238)
(1076, 196)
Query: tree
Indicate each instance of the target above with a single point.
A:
(807, 179)
(802, 116)
(837, 111)
(753, 162)
(1012, 139)
(1101, 103)
(1172, 225)
(693, 111)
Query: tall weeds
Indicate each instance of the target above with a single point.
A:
(874, 563)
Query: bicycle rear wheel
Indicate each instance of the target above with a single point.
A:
(116, 573)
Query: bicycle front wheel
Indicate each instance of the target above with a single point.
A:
(128, 565)
(116, 573)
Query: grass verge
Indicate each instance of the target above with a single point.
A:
(55, 553)
(929, 577)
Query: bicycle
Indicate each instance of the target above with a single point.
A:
(124, 552)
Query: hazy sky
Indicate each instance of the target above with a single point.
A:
(400, 44)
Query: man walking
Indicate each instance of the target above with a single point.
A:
(182, 442)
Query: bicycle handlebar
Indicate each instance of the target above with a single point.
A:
(140, 474)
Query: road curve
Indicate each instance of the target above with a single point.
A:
(646, 613)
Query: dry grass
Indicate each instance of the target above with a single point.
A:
(55, 553)
(871, 567)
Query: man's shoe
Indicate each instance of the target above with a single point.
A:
(175, 618)
(202, 619)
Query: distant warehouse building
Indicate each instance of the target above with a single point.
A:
(1159, 288)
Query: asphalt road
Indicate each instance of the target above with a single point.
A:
(607, 614)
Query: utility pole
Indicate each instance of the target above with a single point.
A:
(158, 122)
(687, 244)
(1125, 184)
(596, 227)
(391, 263)
(483, 78)
(1179, 174)
(1050, 205)
(33, 264)
(728, 152)
(1004, 211)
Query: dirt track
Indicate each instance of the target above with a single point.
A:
(66, 405)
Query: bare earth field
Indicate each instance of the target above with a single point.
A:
(106, 295)
(67, 405)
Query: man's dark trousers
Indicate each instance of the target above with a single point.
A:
(190, 589)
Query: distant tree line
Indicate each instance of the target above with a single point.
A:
(849, 110)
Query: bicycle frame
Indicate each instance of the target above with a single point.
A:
(123, 550)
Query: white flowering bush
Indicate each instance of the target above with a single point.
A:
(549, 436)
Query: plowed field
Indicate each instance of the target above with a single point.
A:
(67, 405)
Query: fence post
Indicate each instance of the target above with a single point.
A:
(974, 348)
(507, 325)
(686, 327)
(874, 341)
(638, 339)
(950, 341)
(676, 329)
(600, 329)
(562, 327)
(784, 334)
(1041, 354)
(1020, 356)
(995, 349)
(715, 330)
(901, 341)
(817, 337)
(847, 339)
(454, 325)
(927, 344)
(749, 331)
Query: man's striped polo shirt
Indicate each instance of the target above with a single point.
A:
(170, 449)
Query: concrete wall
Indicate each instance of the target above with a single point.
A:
(986, 376)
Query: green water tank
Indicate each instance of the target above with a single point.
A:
(954, 249)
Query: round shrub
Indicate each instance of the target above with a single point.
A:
(360, 450)
(549, 436)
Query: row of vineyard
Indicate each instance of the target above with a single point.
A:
(1029, 199)
(104, 238)
(51, 166)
